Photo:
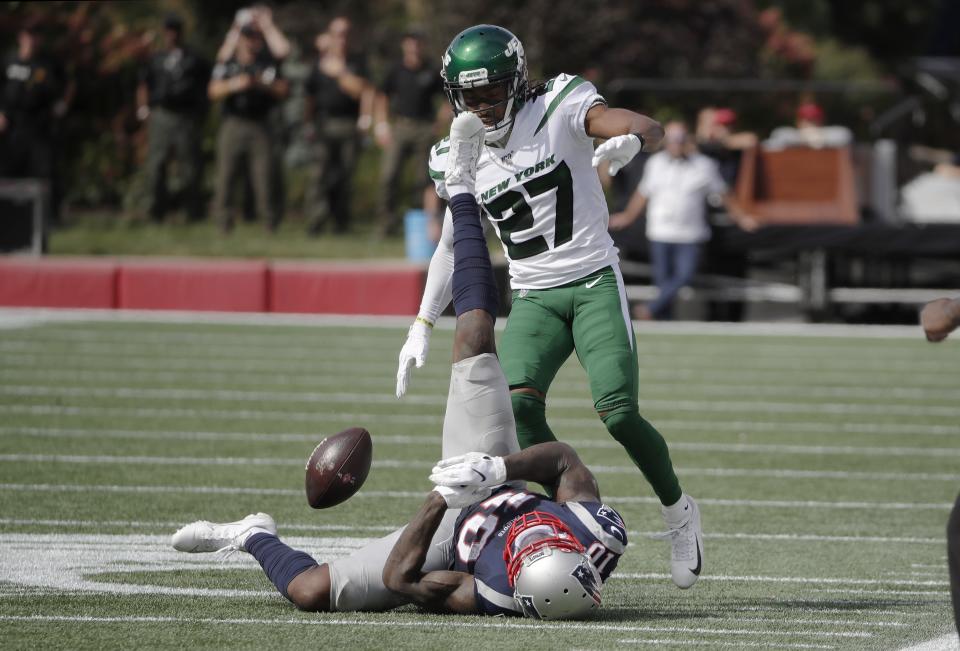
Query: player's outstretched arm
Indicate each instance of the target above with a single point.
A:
(555, 465)
(627, 134)
(605, 122)
(440, 591)
(437, 294)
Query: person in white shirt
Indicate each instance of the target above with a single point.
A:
(677, 183)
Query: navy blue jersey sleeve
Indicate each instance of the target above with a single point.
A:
(602, 531)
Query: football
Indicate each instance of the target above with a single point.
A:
(338, 467)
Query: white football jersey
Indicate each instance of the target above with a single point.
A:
(541, 192)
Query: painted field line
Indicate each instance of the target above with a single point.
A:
(425, 465)
(667, 424)
(829, 580)
(438, 375)
(321, 417)
(173, 525)
(321, 528)
(738, 448)
(251, 336)
(941, 596)
(459, 623)
(350, 347)
(948, 642)
(359, 359)
(673, 328)
(624, 499)
(739, 644)
(570, 389)
(340, 397)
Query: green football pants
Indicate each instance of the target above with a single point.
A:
(588, 316)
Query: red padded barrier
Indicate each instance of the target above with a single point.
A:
(62, 282)
(346, 288)
(221, 285)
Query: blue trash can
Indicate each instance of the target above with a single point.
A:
(416, 238)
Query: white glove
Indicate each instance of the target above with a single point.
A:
(413, 351)
(470, 469)
(458, 497)
(619, 150)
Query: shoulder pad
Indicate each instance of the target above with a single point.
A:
(556, 90)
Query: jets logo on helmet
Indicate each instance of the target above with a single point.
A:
(486, 56)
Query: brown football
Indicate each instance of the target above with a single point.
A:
(338, 467)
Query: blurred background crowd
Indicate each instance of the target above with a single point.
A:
(320, 115)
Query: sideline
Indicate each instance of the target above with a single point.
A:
(35, 316)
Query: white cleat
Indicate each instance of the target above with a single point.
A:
(466, 140)
(686, 541)
(202, 536)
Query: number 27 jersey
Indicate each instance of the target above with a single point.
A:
(541, 192)
(481, 533)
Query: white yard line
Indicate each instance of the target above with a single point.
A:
(253, 336)
(892, 429)
(352, 345)
(233, 318)
(425, 465)
(913, 583)
(485, 624)
(571, 388)
(437, 373)
(948, 642)
(321, 416)
(322, 528)
(739, 644)
(623, 499)
(362, 357)
(340, 397)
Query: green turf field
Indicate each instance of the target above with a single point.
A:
(825, 467)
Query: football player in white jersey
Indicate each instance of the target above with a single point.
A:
(537, 185)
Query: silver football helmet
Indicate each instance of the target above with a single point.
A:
(548, 569)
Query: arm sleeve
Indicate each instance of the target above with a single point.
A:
(438, 291)
(577, 97)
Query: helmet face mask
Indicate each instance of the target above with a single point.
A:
(548, 569)
(480, 57)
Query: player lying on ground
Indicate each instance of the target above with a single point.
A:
(538, 187)
(553, 560)
(549, 560)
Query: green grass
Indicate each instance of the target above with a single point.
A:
(111, 234)
(824, 466)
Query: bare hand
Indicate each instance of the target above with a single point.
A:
(333, 66)
(939, 318)
(383, 135)
(619, 221)
(262, 16)
(241, 83)
(748, 223)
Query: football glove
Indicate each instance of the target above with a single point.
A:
(470, 469)
(414, 351)
(619, 150)
(458, 497)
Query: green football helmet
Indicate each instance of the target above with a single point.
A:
(486, 55)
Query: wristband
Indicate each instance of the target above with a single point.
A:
(425, 322)
(643, 142)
